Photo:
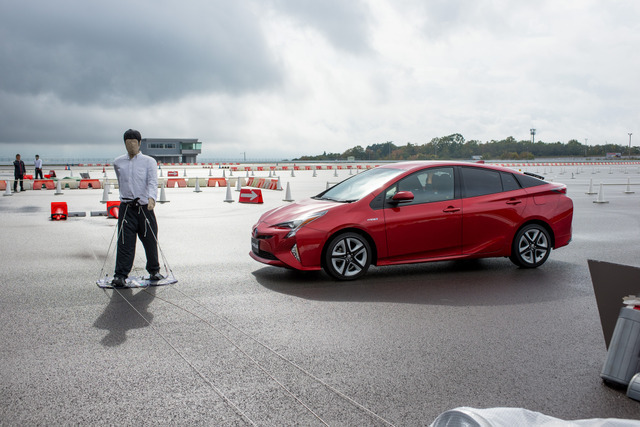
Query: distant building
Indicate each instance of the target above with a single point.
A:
(169, 150)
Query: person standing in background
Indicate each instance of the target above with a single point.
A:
(18, 173)
(38, 165)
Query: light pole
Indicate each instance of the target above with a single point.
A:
(630, 143)
(533, 136)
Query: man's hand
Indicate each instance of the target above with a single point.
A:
(151, 204)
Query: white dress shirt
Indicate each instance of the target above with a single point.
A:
(38, 164)
(137, 178)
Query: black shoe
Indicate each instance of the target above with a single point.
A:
(155, 277)
(118, 282)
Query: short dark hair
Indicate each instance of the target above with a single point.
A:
(132, 134)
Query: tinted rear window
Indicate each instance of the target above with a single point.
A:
(509, 183)
(529, 181)
(478, 182)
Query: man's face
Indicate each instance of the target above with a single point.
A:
(18, 157)
(133, 146)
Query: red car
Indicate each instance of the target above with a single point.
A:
(417, 212)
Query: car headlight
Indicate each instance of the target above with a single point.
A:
(297, 224)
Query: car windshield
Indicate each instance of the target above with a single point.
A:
(358, 186)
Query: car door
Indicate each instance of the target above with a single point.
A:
(493, 204)
(430, 225)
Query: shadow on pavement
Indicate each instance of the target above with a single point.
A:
(482, 282)
(119, 317)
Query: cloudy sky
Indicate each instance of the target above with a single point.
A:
(284, 78)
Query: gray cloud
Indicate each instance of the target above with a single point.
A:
(143, 51)
(345, 24)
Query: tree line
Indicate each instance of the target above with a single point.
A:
(456, 147)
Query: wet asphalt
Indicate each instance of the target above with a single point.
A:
(236, 342)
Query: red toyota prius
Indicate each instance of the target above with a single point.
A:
(417, 212)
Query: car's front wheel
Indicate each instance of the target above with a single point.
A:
(531, 246)
(348, 256)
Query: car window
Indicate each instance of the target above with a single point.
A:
(478, 182)
(529, 181)
(358, 186)
(428, 185)
(509, 182)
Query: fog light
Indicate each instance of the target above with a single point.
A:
(294, 252)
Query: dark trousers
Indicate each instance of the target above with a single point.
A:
(131, 223)
(15, 184)
(39, 172)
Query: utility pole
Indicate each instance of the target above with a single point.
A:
(630, 143)
(533, 136)
(586, 140)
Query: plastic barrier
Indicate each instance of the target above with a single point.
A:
(180, 182)
(222, 182)
(3, 185)
(93, 183)
(58, 211)
(48, 184)
(250, 195)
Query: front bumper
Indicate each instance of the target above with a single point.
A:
(269, 245)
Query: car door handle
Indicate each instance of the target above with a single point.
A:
(514, 202)
(451, 209)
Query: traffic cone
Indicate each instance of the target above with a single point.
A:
(292, 173)
(335, 172)
(58, 189)
(105, 192)
(279, 187)
(600, 196)
(238, 185)
(287, 196)
(210, 172)
(224, 173)
(197, 190)
(314, 173)
(185, 173)
(228, 199)
(591, 187)
(230, 172)
(163, 196)
(628, 191)
(7, 190)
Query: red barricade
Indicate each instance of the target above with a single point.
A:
(250, 195)
(93, 183)
(220, 181)
(48, 184)
(180, 182)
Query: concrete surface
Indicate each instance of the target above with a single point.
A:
(403, 344)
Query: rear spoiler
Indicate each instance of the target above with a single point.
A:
(534, 175)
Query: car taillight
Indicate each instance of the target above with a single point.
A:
(561, 190)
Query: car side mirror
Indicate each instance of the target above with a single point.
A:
(402, 197)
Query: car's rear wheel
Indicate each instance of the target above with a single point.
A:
(348, 256)
(531, 246)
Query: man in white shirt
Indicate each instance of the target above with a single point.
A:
(138, 185)
(38, 165)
